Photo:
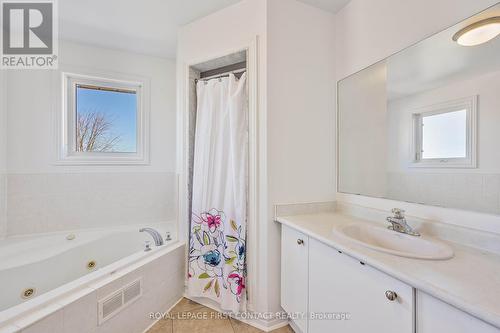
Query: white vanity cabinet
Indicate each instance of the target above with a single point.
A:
(434, 316)
(340, 284)
(294, 275)
(318, 280)
(340, 294)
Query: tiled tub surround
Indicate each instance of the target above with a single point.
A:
(468, 281)
(68, 201)
(470, 191)
(73, 307)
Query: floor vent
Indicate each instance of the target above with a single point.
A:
(118, 300)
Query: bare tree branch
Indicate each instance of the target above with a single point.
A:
(93, 133)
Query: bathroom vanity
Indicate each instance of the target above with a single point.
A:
(346, 287)
(409, 129)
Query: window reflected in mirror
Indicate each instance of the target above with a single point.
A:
(421, 126)
(444, 135)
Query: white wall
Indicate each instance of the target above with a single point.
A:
(296, 96)
(369, 31)
(45, 197)
(300, 115)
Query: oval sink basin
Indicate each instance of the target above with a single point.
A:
(385, 240)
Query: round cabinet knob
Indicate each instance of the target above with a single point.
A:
(300, 241)
(391, 295)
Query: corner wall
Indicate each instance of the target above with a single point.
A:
(44, 197)
(300, 116)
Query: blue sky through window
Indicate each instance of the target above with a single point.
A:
(119, 109)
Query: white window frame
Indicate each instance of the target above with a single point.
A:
(66, 142)
(470, 161)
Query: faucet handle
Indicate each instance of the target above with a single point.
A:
(398, 213)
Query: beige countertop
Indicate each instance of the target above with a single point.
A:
(469, 281)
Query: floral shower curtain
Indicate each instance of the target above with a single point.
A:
(219, 201)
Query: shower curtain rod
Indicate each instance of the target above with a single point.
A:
(217, 76)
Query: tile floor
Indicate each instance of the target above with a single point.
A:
(183, 322)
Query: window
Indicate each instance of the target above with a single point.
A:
(444, 135)
(104, 121)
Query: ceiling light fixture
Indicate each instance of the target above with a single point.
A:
(479, 32)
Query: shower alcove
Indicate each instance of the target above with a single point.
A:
(219, 68)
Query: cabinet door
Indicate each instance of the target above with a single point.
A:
(434, 316)
(294, 262)
(339, 284)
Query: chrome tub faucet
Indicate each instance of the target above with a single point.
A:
(155, 234)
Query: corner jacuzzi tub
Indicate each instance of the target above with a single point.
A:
(37, 269)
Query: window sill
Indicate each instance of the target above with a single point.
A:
(446, 163)
(104, 160)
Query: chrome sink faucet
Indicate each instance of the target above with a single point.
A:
(399, 224)
(155, 234)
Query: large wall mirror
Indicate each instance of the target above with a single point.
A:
(423, 125)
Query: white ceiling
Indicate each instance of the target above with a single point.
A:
(330, 5)
(438, 61)
(142, 26)
(146, 26)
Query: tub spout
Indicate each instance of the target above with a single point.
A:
(155, 234)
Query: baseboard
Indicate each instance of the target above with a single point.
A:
(168, 310)
(261, 324)
(294, 327)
